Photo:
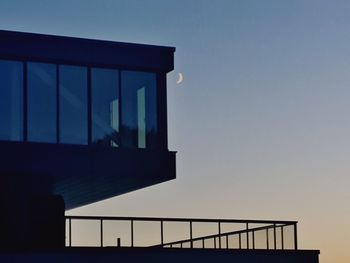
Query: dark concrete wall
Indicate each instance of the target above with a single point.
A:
(81, 174)
(31, 221)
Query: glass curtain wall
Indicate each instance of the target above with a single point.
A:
(105, 107)
(11, 100)
(42, 117)
(139, 109)
(73, 109)
(123, 105)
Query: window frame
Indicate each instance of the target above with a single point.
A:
(161, 109)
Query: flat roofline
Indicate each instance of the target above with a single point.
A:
(86, 52)
(92, 40)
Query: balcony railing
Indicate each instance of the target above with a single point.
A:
(180, 233)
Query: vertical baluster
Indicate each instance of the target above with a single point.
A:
(274, 236)
(191, 234)
(267, 238)
(161, 233)
(247, 229)
(282, 237)
(240, 241)
(253, 233)
(70, 232)
(219, 232)
(132, 232)
(101, 232)
(295, 237)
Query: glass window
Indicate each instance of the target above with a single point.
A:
(41, 102)
(105, 107)
(11, 100)
(73, 105)
(139, 109)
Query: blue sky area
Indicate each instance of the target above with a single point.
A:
(261, 121)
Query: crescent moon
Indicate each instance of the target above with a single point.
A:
(180, 79)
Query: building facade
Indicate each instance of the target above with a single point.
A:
(81, 119)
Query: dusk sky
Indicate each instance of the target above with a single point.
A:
(261, 122)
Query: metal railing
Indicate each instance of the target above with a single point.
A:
(183, 233)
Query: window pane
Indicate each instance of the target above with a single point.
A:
(11, 100)
(73, 105)
(139, 109)
(105, 107)
(41, 102)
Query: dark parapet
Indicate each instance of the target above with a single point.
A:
(47, 222)
(31, 221)
(131, 255)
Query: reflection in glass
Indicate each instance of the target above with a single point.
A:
(41, 102)
(73, 105)
(11, 100)
(105, 107)
(139, 109)
(141, 116)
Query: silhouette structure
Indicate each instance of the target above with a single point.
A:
(83, 120)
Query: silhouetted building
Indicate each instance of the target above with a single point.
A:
(83, 120)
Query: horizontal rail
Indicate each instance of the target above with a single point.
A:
(196, 220)
(221, 235)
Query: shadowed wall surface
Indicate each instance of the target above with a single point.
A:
(161, 255)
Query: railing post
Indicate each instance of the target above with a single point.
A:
(70, 232)
(253, 233)
(161, 233)
(282, 238)
(274, 236)
(101, 231)
(191, 237)
(227, 241)
(247, 229)
(267, 238)
(219, 231)
(203, 245)
(132, 232)
(295, 236)
(240, 241)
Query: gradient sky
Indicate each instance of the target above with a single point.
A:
(261, 121)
